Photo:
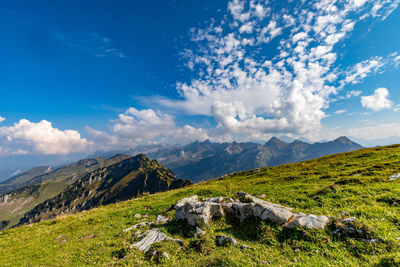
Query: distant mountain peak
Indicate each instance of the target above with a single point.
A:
(274, 140)
(343, 139)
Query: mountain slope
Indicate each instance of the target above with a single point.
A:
(20, 180)
(121, 181)
(34, 190)
(346, 185)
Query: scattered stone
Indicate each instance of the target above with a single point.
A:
(161, 219)
(199, 232)
(165, 255)
(153, 236)
(88, 237)
(61, 239)
(149, 224)
(246, 247)
(263, 196)
(394, 177)
(137, 216)
(225, 240)
(398, 238)
(229, 199)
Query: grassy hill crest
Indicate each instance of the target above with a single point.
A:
(354, 184)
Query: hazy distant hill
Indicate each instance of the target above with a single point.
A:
(206, 160)
(123, 180)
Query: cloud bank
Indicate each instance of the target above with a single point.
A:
(26, 137)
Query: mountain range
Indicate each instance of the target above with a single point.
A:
(207, 160)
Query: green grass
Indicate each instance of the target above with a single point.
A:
(345, 185)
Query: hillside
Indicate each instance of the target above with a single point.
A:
(123, 180)
(20, 180)
(201, 161)
(25, 191)
(345, 185)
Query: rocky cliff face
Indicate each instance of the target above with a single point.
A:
(121, 181)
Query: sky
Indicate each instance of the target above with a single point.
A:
(82, 76)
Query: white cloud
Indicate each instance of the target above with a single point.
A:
(41, 138)
(379, 131)
(340, 111)
(251, 95)
(137, 127)
(2, 119)
(378, 101)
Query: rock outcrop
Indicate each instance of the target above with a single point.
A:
(198, 213)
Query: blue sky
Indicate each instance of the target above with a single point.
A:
(79, 76)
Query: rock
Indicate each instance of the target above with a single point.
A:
(215, 199)
(138, 225)
(197, 213)
(161, 219)
(246, 247)
(225, 240)
(153, 236)
(229, 199)
(308, 221)
(263, 196)
(137, 216)
(394, 177)
(199, 232)
(165, 255)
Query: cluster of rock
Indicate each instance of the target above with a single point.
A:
(198, 213)
(201, 213)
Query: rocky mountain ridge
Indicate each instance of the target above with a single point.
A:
(124, 180)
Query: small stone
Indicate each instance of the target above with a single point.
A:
(246, 247)
(229, 199)
(161, 219)
(225, 240)
(394, 177)
(138, 225)
(263, 196)
(165, 255)
(137, 216)
(199, 232)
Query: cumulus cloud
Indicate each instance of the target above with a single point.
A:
(378, 101)
(2, 119)
(40, 137)
(137, 127)
(252, 95)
